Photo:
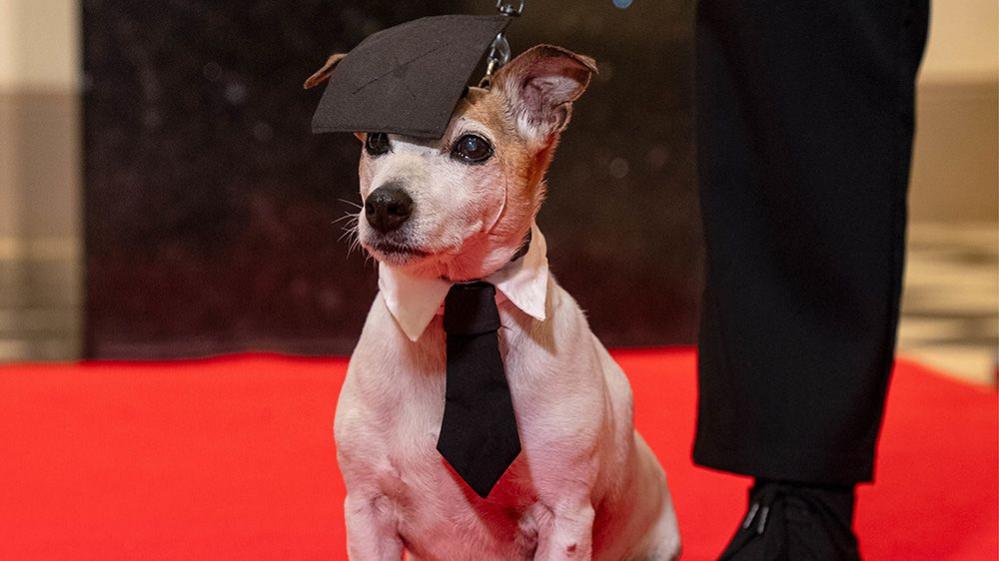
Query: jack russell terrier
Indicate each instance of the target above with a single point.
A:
(582, 485)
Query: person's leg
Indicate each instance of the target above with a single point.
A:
(804, 124)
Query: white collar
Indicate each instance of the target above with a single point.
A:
(415, 301)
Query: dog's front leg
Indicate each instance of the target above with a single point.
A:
(371, 529)
(567, 535)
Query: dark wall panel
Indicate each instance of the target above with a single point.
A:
(210, 208)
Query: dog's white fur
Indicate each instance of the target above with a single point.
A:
(586, 486)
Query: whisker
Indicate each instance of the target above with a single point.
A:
(350, 232)
(350, 224)
(354, 215)
(347, 232)
(352, 203)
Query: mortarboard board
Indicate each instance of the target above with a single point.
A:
(405, 79)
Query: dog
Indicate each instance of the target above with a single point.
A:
(458, 209)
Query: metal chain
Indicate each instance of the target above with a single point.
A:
(499, 52)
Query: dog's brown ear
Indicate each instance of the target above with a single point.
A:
(541, 85)
(323, 74)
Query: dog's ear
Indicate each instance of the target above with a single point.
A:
(541, 85)
(323, 74)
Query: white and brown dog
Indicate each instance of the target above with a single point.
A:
(585, 486)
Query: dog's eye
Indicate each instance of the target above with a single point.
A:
(377, 143)
(472, 149)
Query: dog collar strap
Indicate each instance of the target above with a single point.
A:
(524, 247)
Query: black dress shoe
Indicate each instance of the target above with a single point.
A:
(795, 522)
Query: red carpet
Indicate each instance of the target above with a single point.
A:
(232, 459)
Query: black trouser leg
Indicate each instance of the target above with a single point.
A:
(804, 124)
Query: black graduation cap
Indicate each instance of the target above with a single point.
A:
(405, 79)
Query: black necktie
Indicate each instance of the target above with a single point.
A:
(479, 432)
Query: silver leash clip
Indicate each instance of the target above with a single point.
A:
(508, 9)
(499, 51)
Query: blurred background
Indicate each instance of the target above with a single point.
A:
(161, 195)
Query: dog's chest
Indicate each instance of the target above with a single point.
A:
(393, 446)
(428, 498)
(409, 417)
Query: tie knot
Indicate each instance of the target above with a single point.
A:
(470, 309)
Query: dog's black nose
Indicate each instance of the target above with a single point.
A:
(387, 207)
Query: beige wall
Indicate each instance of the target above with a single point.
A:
(956, 161)
(39, 45)
(39, 124)
(40, 180)
(964, 41)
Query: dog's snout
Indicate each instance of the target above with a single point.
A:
(388, 207)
